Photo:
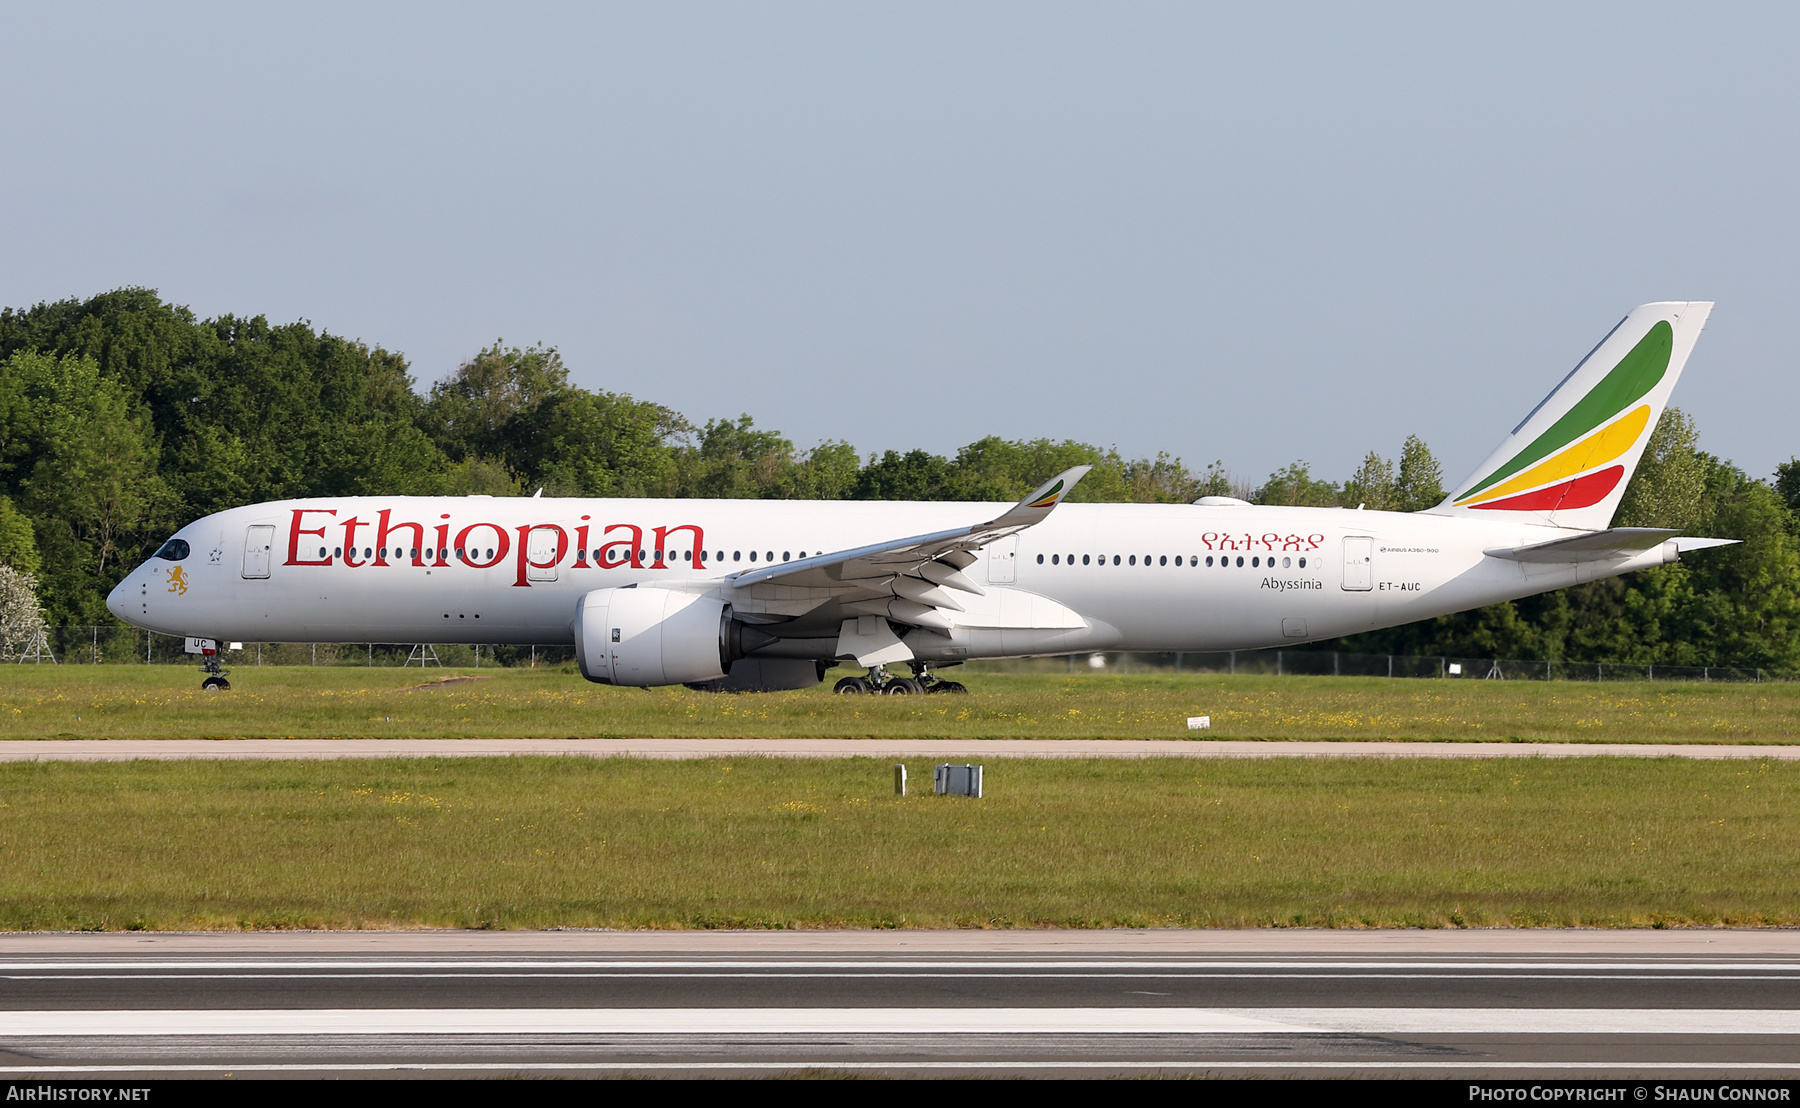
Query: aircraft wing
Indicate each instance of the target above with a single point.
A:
(1598, 546)
(914, 576)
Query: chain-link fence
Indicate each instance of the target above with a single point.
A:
(122, 645)
(86, 646)
(1326, 663)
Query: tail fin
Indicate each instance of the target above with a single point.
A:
(1568, 462)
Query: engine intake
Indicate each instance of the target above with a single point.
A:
(644, 636)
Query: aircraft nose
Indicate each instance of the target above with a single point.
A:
(117, 599)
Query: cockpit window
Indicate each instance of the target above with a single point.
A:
(174, 550)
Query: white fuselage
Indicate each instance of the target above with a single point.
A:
(1090, 577)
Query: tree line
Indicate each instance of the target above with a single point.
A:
(123, 417)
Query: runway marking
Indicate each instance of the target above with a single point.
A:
(903, 1021)
(933, 973)
(112, 750)
(935, 965)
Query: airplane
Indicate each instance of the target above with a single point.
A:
(762, 595)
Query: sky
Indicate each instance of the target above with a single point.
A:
(1250, 233)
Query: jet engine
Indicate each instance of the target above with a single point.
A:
(645, 636)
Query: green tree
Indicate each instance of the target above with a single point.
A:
(1787, 483)
(828, 472)
(469, 411)
(1420, 482)
(480, 477)
(91, 485)
(579, 443)
(736, 461)
(1745, 604)
(1667, 489)
(915, 475)
(1215, 481)
(18, 543)
(997, 469)
(1372, 485)
(1294, 486)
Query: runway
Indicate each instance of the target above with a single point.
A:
(589, 1004)
(122, 750)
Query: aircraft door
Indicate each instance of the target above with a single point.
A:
(1003, 560)
(1359, 555)
(541, 551)
(259, 547)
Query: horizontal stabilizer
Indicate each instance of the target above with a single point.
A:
(1599, 546)
(1685, 545)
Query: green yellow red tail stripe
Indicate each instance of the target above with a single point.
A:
(1601, 427)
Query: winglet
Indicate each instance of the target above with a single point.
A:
(1046, 496)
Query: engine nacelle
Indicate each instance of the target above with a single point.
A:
(644, 636)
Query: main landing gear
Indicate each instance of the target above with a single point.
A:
(879, 683)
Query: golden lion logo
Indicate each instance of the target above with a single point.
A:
(178, 581)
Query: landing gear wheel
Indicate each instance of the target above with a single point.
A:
(852, 686)
(949, 687)
(904, 686)
(214, 684)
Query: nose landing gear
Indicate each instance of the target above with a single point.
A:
(215, 673)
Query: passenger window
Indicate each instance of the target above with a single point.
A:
(1303, 563)
(737, 555)
(1040, 559)
(337, 552)
(784, 555)
(1084, 559)
(1177, 559)
(1115, 559)
(1286, 562)
(753, 555)
(1164, 560)
(1240, 561)
(770, 556)
(687, 555)
(1134, 559)
(1209, 561)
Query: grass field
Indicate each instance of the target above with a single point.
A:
(539, 842)
(272, 702)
